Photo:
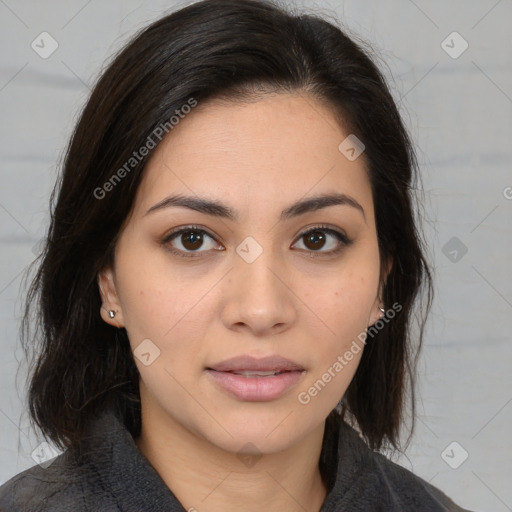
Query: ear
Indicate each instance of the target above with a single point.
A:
(109, 298)
(385, 269)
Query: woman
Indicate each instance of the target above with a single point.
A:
(226, 293)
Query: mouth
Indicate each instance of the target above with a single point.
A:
(246, 373)
(256, 380)
(265, 366)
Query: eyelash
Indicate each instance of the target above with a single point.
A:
(344, 240)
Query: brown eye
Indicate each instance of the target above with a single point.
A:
(321, 237)
(188, 241)
(314, 240)
(191, 240)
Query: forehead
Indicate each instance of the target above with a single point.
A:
(272, 150)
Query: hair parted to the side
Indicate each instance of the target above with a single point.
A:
(230, 49)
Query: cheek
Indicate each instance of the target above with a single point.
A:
(348, 301)
(339, 351)
(155, 301)
(345, 307)
(166, 314)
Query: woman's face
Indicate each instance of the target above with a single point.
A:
(251, 284)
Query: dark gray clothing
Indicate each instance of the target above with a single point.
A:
(113, 476)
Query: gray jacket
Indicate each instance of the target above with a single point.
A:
(113, 476)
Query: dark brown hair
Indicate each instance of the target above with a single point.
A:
(231, 49)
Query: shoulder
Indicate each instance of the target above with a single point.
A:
(38, 488)
(104, 472)
(60, 487)
(407, 491)
(368, 480)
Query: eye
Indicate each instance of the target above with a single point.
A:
(190, 238)
(317, 238)
(186, 242)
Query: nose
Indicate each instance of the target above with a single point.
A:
(259, 296)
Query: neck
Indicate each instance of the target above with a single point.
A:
(205, 477)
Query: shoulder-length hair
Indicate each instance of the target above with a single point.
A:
(230, 49)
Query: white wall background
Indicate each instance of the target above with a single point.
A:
(459, 111)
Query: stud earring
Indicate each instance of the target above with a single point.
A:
(383, 311)
(112, 313)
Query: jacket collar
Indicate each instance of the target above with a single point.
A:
(109, 451)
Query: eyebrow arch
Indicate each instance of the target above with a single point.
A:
(217, 209)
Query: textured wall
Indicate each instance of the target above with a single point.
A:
(457, 102)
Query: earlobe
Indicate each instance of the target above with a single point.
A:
(110, 310)
(378, 312)
(379, 308)
(385, 271)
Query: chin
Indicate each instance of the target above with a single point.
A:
(263, 433)
(255, 442)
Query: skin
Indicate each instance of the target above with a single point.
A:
(257, 157)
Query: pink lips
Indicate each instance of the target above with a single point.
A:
(256, 380)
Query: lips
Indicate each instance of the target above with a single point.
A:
(256, 380)
(257, 373)
(250, 365)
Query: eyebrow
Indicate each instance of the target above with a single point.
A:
(217, 209)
